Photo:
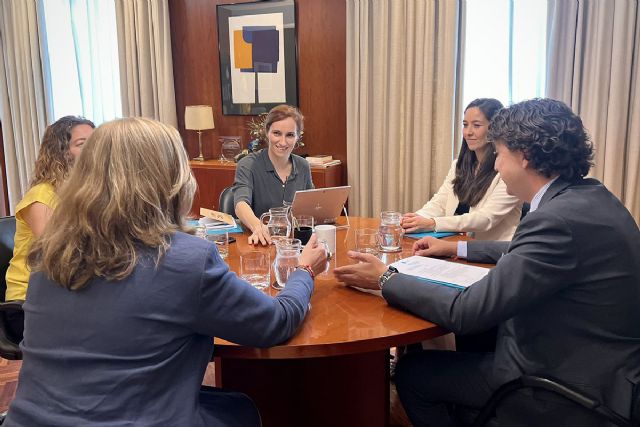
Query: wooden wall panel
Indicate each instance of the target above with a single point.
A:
(321, 26)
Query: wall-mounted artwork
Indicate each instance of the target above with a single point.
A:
(258, 61)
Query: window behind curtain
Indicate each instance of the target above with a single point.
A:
(80, 46)
(505, 50)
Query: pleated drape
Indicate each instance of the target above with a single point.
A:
(402, 59)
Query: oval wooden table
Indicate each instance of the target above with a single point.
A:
(335, 370)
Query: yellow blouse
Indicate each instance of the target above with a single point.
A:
(18, 272)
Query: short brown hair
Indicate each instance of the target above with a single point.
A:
(282, 112)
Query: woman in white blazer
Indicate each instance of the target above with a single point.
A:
(472, 198)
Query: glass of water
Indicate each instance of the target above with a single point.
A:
(390, 231)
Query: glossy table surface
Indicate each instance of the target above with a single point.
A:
(342, 320)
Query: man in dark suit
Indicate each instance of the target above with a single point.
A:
(565, 292)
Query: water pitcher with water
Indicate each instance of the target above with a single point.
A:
(279, 225)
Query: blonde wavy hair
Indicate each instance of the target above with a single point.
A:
(129, 191)
(54, 160)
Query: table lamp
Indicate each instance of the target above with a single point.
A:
(198, 118)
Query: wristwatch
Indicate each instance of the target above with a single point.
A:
(386, 275)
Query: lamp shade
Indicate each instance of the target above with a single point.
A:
(198, 117)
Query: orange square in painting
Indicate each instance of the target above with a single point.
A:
(242, 56)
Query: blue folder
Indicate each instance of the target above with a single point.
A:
(436, 234)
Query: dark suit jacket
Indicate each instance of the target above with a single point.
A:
(565, 294)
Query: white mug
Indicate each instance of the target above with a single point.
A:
(327, 233)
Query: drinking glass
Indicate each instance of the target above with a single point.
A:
(390, 231)
(303, 228)
(255, 268)
(201, 231)
(221, 239)
(367, 241)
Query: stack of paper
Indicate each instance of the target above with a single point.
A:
(218, 221)
(319, 160)
(440, 271)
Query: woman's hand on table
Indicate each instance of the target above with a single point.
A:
(314, 255)
(414, 223)
(364, 274)
(430, 246)
(260, 235)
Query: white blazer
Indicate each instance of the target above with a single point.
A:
(495, 217)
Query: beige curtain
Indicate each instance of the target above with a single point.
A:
(22, 97)
(401, 80)
(146, 67)
(592, 65)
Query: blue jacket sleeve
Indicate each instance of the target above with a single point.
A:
(231, 309)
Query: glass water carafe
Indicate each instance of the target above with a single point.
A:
(279, 225)
(287, 259)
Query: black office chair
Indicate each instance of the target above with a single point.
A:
(11, 312)
(599, 411)
(225, 203)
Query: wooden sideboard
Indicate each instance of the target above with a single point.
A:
(213, 176)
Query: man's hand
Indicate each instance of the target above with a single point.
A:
(414, 223)
(430, 246)
(365, 274)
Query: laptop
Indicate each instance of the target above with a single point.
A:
(324, 204)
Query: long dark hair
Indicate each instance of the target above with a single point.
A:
(469, 186)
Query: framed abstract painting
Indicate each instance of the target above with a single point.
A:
(258, 56)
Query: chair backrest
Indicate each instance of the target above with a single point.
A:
(7, 234)
(11, 314)
(590, 405)
(225, 203)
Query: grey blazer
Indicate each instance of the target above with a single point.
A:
(565, 294)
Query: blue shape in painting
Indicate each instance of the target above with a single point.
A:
(265, 48)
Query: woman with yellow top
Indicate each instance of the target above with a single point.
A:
(61, 145)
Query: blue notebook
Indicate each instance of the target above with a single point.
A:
(436, 234)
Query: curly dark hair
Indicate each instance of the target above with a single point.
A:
(550, 136)
(54, 161)
(469, 186)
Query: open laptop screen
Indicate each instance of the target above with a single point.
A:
(324, 204)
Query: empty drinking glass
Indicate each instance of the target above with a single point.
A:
(221, 239)
(255, 268)
(367, 241)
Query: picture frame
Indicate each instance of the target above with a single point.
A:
(257, 44)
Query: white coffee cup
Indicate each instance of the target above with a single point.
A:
(327, 233)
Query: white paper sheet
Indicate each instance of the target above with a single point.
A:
(445, 272)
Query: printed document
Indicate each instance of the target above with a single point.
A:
(441, 271)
